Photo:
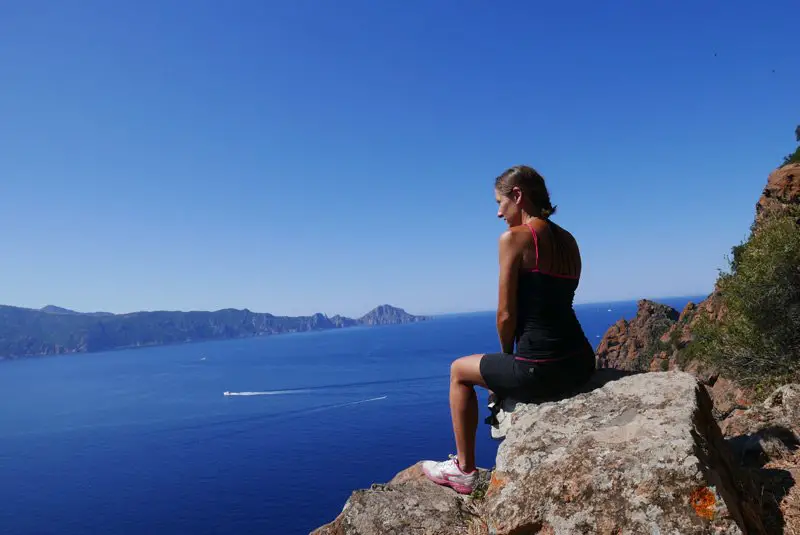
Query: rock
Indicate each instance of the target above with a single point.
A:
(641, 454)
(780, 409)
(625, 343)
(766, 443)
(688, 311)
(781, 193)
(408, 504)
(705, 374)
(727, 396)
(505, 412)
(766, 432)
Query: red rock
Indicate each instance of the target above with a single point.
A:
(621, 345)
(781, 192)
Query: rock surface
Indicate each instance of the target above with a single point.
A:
(408, 504)
(781, 192)
(631, 345)
(766, 441)
(641, 454)
(780, 409)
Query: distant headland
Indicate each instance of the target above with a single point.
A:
(53, 330)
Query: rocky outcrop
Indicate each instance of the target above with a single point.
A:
(653, 341)
(625, 344)
(642, 454)
(632, 345)
(386, 314)
(781, 194)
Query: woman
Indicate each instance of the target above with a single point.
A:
(540, 266)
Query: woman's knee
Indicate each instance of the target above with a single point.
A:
(466, 370)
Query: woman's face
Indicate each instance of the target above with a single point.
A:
(509, 206)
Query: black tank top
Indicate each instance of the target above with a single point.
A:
(547, 327)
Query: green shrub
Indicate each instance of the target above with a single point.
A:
(653, 343)
(758, 341)
(792, 158)
(795, 156)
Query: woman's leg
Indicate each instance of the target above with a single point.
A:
(465, 374)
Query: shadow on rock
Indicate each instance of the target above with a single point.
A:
(774, 485)
(769, 444)
(764, 455)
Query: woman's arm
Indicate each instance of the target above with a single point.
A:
(507, 302)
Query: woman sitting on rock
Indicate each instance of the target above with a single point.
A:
(540, 265)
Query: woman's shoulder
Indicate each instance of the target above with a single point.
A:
(516, 237)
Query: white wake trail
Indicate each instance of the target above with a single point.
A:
(268, 393)
(364, 401)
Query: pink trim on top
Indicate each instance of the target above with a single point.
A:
(573, 277)
(539, 361)
(536, 269)
(555, 359)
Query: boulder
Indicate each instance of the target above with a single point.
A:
(641, 454)
(408, 504)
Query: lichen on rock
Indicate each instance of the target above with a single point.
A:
(641, 454)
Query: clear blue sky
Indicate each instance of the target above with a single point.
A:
(305, 156)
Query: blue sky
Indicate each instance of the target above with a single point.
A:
(304, 156)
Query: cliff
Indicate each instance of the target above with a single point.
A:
(657, 338)
(750, 321)
(781, 194)
(636, 454)
(54, 330)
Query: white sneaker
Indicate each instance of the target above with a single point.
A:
(450, 474)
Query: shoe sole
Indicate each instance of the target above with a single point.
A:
(461, 489)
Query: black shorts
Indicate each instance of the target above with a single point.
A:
(510, 376)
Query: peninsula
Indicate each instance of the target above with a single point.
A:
(53, 330)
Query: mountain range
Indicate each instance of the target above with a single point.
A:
(54, 330)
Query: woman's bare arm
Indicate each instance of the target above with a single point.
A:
(510, 257)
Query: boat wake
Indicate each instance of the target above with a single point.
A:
(269, 392)
(345, 386)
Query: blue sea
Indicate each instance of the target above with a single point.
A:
(144, 441)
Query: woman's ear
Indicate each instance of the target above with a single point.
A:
(516, 194)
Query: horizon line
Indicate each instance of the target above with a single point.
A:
(430, 314)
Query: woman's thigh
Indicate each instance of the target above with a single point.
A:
(467, 370)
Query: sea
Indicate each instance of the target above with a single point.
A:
(145, 441)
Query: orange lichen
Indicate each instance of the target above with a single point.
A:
(703, 502)
(495, 484)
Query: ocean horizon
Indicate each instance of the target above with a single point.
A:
(145, 440)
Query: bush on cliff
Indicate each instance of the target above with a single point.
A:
(758, 341)
(795, 156)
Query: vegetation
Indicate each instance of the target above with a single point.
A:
(757, 342)
(652, 343)
(795, 156)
